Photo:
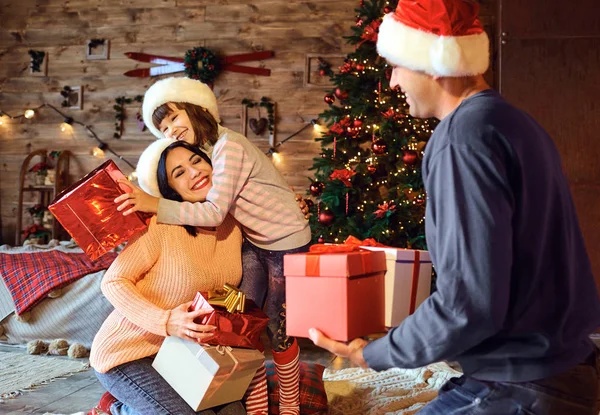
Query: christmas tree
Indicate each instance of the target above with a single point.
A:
(368, 177)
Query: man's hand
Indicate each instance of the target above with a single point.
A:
(352, 351)
(137, 198)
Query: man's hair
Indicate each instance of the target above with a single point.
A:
(206, 129)
(162, 176)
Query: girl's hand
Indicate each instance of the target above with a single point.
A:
(181, 324)
(137, 198)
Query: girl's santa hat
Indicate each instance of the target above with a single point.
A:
(439, 37)
(177, 89)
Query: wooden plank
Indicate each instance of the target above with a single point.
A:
(268, 12)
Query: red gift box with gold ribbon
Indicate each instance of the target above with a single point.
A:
(338, 289)
(235, 329)
(88, 212)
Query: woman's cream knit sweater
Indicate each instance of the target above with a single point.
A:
(160, 269)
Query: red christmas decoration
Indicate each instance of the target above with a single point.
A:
(357, 123)
(329, 98)
(309, 203)
(384, 208)
(322, 72)
(321, 239)
(410, 157)
(341, 94)
(387, 9)
(360, 67)
(343, 175)
(371, 168)
(379, 147)
(326, 217)
(316, 188)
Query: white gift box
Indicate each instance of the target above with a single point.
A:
(206, 376)
(407, 282)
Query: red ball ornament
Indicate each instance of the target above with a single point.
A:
(387, 9)
(371, 168)
(379, 147)
(329, 98)
(322, 72)
(342, 95)
(360, 67)
(326, 217)
(316, 188)
(321, 240)
(352, 131)
(309, 203)
(357, 123)
(409, 157)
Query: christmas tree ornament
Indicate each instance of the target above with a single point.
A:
(326, 217)
(357, 123)
(371, 168)
(340, 94)
(316, 188)
(360, 67)
(359, 22)
(329, 98)
(321, 239)
(409, 157)
(379, 147)
(309, 203)
(387, 9)
(421, 148)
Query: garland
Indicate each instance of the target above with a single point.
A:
(119, 108)
(202, 64)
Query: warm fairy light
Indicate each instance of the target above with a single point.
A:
(277, 158)
(98, 152)
(29, 114)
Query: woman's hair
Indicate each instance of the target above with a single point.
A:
(204, 125)
(162, 176)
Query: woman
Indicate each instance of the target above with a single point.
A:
(152, 282)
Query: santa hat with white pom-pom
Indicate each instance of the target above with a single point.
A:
(438, 37)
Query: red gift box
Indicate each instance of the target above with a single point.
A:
(232, 329)
(88, 212)
(341, 293)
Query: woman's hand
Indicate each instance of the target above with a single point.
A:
(181, 324)
(137, 198)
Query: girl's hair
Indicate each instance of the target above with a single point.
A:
(204, 125)
(163, 177)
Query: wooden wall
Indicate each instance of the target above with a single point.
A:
(292, 29)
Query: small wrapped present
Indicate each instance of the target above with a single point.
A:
(407, 282)
(338, 289)
(206, 376)
(88, 212)
(235, 329)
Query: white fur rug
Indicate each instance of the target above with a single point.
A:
(395, 391)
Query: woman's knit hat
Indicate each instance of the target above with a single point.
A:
(179, 89)
(147, 167)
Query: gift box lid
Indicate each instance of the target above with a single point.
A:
(109, 167)
(343, 265)
(401, 254)
(220, 360)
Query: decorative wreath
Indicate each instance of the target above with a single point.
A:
(201, 64)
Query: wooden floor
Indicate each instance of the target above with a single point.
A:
(81, 391)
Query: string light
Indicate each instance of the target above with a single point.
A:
(273, 150)
(67, 124)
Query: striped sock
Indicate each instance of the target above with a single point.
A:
(257, 396)
(287, 366)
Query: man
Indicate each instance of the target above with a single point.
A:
(516, 299)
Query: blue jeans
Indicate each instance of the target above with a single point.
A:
(263, 282)
(140, 390)
(574, 392)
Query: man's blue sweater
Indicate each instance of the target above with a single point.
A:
(516, 299)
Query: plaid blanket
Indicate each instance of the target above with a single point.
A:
(31, 276)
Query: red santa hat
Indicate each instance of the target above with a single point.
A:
(439, 37)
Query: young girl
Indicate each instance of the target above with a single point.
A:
(151, 283)
(247, 185)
